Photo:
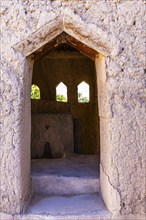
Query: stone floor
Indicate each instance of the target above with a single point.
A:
(75, 175)
(66, 189)
(80, 207)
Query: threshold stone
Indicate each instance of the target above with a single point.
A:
(87, 206)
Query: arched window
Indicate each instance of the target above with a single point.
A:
(35, 92)
(83, 92)
(61, 92)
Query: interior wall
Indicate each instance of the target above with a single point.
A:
(51, 135)
(71, 68)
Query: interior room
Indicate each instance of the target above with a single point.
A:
(65, 139)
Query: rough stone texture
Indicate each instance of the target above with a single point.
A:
(115, 29)
(52, 135)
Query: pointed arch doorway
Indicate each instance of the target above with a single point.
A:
(34, 48)
(65, 141)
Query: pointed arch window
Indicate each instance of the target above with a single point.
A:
(35, 92)
(83, 92)
(61, 92)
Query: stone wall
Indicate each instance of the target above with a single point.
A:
(114, 28)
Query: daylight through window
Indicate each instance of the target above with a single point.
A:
(61, 92)
(83, 92)
(35, 92)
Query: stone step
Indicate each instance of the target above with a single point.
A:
(78, 174)
(77, 207)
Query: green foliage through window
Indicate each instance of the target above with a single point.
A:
(83, 92)
(82, 99)
(61, 98)
(35, 92)
(61, 92)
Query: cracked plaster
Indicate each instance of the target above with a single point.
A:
(122, 25)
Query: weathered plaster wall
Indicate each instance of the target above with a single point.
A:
(122, 24)
(14, 144)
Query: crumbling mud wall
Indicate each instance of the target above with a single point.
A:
(113, 28)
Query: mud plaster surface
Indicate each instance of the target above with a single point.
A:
(119, 23)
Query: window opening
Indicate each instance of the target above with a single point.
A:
(35, 92)
(83, 92)
(61, 92)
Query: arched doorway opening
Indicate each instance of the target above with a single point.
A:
(37, 51)
(65, 141)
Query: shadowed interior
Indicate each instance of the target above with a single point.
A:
(65, 64)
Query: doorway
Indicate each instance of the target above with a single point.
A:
(74, 112)
(65, 141)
